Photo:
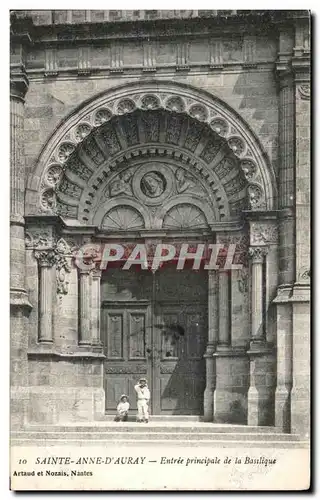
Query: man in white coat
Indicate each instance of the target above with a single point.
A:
(143, 398)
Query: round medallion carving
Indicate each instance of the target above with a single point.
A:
(255, 195)
(102, 116)
(150, 102)
(48, 199)
(65, 150)
(54, 175)
(199, 112)
(237, 145)
(82, 131)
(220, 126)
(126, 106)
(153, 184)
(249, 168)
(175, 104)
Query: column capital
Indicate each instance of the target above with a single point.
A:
(46, 258)
(258, 253)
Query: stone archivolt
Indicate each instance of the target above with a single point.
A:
(212, 145)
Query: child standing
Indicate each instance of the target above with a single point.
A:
(122, 409)
(143, 397)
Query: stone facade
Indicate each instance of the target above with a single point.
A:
(114, 134)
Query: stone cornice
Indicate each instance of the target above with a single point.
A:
(19, 82)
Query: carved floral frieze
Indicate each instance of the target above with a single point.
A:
(263, 233)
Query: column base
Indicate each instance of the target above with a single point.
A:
(283, 409)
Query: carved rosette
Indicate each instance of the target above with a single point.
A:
(249, 169)
(304, 91)
(199, 112)
(257, 254)
(125, 106)
(65, 150)
(82, 131)
(54, 175)
(255, 195)
(175, 104)
(102, 116)
(237, 145)
(220, 126)
(150, 102)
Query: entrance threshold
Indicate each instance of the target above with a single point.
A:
(159, 418)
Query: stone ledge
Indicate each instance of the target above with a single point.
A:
(229, 352)
(19, 298)
(65, 355)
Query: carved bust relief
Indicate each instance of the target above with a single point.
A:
(153, 184)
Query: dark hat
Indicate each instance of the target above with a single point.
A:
(142, 379)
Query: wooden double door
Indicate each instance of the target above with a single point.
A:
(155, 326)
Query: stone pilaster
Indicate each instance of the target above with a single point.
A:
(85, 282)
(95, 320)
(211, 346)
(257, 255)
(46, 261)
(224, 337)
(261, 391)
(19, 304)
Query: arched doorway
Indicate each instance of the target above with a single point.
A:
(158, 162)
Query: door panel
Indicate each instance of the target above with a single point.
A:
(126, 339)
(179, 369)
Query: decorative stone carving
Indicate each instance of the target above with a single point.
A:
(257, 254)
(46, 258)
(126, 106)
(304, 91)
(220, 126)
(176, 104)
(199, 112)
(123, 218)
(65, 150)
(82, 131)
(304, 274)
(65, 210)
(255, 195)
(110, 138)
(77, 167)
(263, 233)
(224, 167)
(121, 185)
(193, 136)
(150, 102)
(48, 200)
(102, 116)
(243, 280)
(62, 268)
(237, 145)
(185, 183)
(184, 216)
(249, 168)
(138, 369)
(151, 126)
(70, 189)
(54, 175)
(210, 151)
(174, 124)
(153, 184)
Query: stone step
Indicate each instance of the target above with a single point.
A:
(153, 426)
(160, 418)
(155, 436)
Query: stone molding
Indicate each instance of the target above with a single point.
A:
(176, 99)
(304, 91)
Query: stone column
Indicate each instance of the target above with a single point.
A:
(260, 394)
(46, 261)
(257, 255)
(95, 320)
(85, 279)
(211, 346)
(224, 311)
(19, 304)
